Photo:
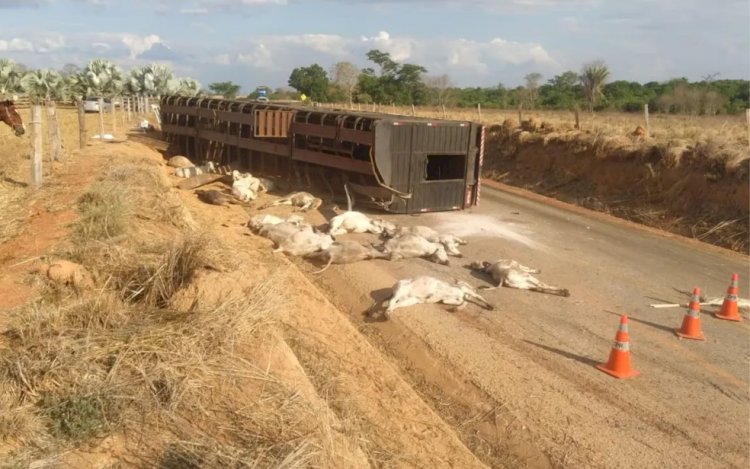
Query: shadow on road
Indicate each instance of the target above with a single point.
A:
(570, 355)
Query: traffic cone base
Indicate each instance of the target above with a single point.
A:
(736, 318)
(679, 333)
(631, 373)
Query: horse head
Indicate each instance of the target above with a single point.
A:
(10, 116)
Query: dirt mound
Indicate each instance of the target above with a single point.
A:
(697, 190)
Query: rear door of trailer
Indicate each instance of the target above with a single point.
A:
(443, 159)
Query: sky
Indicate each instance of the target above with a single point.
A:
(474, 42)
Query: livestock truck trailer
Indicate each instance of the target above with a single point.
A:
(402, 164)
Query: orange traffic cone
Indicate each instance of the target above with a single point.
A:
(729, 309)
(691, 323)
(619, 358)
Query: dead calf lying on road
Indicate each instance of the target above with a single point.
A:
(408, 246)
(304, 201)
(511, 274)
(425, 289)
(346, 252)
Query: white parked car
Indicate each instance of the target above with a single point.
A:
(91, 104)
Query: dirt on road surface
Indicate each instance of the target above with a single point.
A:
(533, 357)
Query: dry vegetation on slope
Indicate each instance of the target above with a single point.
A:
(152, 344)
(697, 188)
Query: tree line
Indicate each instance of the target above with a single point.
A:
(99, 78)
(389, 82)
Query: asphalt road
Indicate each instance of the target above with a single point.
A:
(534, 354)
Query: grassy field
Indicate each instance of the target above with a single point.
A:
(730, 128)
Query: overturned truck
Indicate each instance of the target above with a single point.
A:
(402, 164)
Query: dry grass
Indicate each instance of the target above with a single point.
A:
(15, 195)
(123, 360)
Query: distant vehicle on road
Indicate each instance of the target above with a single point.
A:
(262, 95)
(91, 104)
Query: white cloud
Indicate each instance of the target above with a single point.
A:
(400, 48)
(16, 45)
(518, 52)
(138, 45)
(259, 57)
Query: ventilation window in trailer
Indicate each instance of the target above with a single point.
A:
(445, 167)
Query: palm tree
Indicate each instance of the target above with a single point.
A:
(103, 79)
(593, 76)
(47, 86)
(10, 78)
(184, 87)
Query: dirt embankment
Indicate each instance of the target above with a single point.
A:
(157, 333)
(698, 190)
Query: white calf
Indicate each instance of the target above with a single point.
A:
(356, 222)
(304, 242)
(258, 221)
(279, 232)
(209, 167)
(304, 201)
(424, 289)
(408, 246)
(450, 242)
(346, 252)
(511, 274)
(244, 186)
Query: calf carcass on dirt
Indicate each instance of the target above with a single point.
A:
(304, 242)
(258, 221)
(425, 289)
(279, 232)
(357, 222)
(304, 201)
(511, 274)
(346, 252)
(244, 186)
(450, 242)
(191, 171)
(409, 246)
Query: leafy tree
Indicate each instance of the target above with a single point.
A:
(312, 81)
(560, 92)
(593, 76)
(440, 88)
(43, 86)
(187, 87)
(397, 83)
(532, 84)
(346, 76)
(225, 88)
(10, 78)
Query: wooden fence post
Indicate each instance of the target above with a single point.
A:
(747, 116)
(578, 119)
(645, 114)
(53, 133)
(101, 118)
(520, 114)
(479, 111)
(36, 149)
(445, 114)
(81, 125)
(413, 111)
(114, 116)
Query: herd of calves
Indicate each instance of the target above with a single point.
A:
(293, 235)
